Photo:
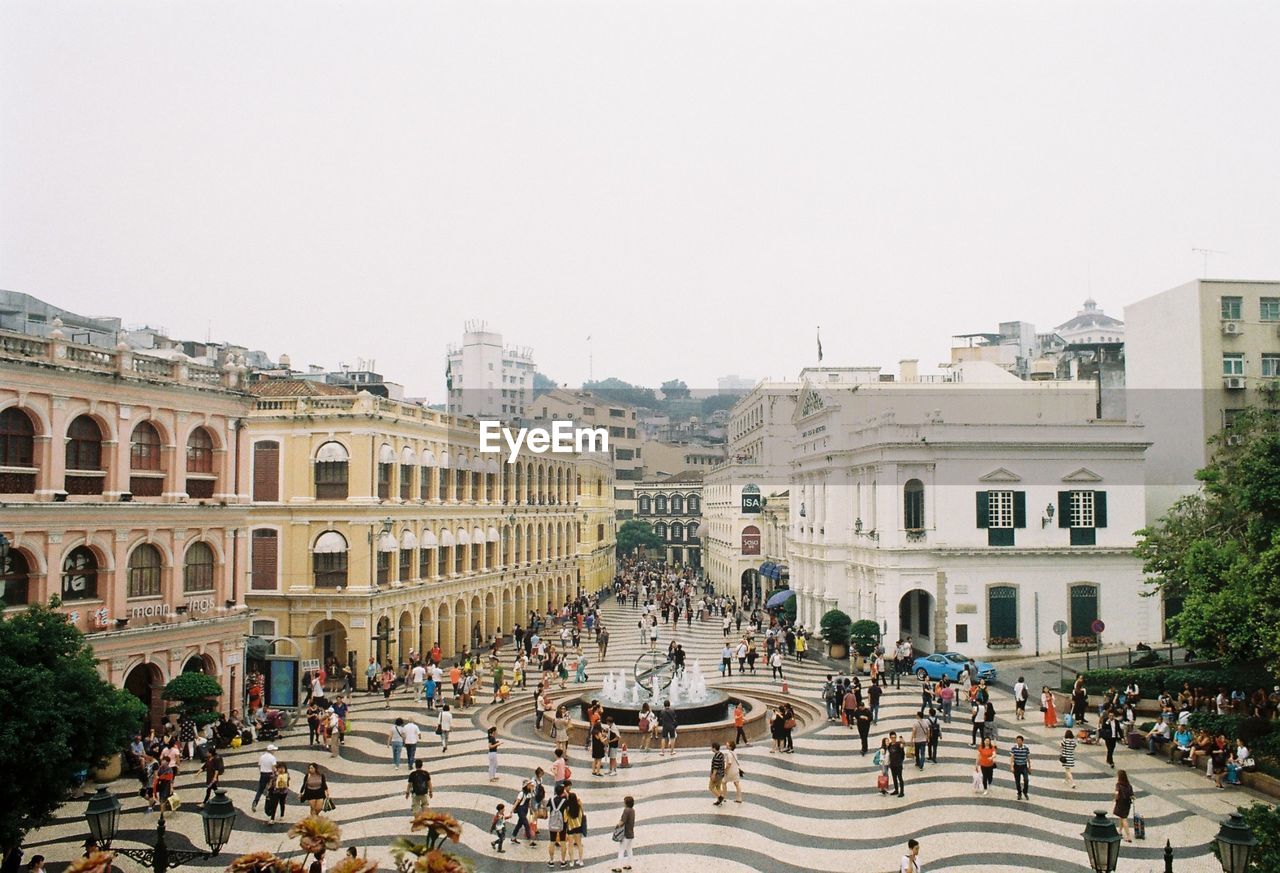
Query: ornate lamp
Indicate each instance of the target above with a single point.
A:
(219, 820)
(1236, 844)
(103, 816)
(1102, 842)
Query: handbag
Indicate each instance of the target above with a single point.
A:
(882, 782)
(329, 805)
(977, 780)
(618, 833)
(1062, 759)
(439, 731)
(173, 803)
(789, 724)
(540, 813)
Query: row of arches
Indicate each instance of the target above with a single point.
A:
(153, 456)
(677, 532)
(86, 572)
(675, 504)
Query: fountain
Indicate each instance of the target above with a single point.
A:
(657, 680)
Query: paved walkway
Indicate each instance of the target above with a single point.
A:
(815, 810)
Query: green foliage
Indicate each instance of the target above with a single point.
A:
(1152, 680)
(1219, 550)
(866, 636)
(195, 695)
(1264, 820)
(716, 402)
(57, 716)
(675, 389)
(614, 390)
(836, 627)
(636, 534)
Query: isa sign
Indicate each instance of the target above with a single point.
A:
(751, 502)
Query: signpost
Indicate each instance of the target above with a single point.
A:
(1060, 628)
(1098, 627)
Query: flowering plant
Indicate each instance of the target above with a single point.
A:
(315, 832)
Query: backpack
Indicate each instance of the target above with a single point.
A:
(935, 729)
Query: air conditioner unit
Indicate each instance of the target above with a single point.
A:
(1231, 328)
(1235, 440)
(1233, 383)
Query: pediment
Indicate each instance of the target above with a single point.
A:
(1000, 474)
(1084, 474)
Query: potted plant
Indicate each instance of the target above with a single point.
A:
(865, 636)
(836, 628)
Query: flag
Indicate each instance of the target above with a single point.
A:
(448, 374)
(819, 345)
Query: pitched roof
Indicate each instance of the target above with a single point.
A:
(691, 476)
(296, 388)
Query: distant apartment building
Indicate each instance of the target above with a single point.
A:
(485, 379)
(734, 384)
(586, 409)
(663, 459)
(673, 507)
(1196, 355)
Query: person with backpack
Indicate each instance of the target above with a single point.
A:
(862, 721)
(935, 734)
(829, 698)
(419, 788)
(897, 755)
(625, 831)
(920, 738)
(522, 806)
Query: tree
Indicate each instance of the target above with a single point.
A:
(675, 389)
(836, 627)
(57, 717)
(1218, 551)
(542, 384)
(195, 695)
(615, 390)
(636, 534)
(716, 402)
(865, 635)
(1264, 820)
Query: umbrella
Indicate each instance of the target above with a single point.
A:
(780, 598)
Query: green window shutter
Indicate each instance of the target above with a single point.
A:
(1019, 509)
(1002, 612)
(1083, 536)
(1084, 609)
(1064, 509)
(984, 514)
(1099, 509)
(999, 536)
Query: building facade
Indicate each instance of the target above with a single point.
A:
(487, 379)
(673, 507)
(736, 493)
(586, 409)
(378, 527)
(1195, 355)
(969, 514)
(123, 493)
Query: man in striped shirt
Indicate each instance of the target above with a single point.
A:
(717, 773)
(1020, 763)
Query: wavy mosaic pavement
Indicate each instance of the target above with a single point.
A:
(814, 810)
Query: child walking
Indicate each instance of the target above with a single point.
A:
(498, 827)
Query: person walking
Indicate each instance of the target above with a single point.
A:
(1111, 731)
(627, 826)
(493, 744)
(278, 794)
(862, 721)
(315, 789)
(388, 682)
(911, 860)
(395, 739)
(557, 831)
(717, 774)
(1020, 764)
(213, 768)
(498, 827)
(920, 738)
(419, 788)
(443, 726)
(1020, 694)
(522, 806)
(412, 733)
(874, 693)
(935, 734)
(733, 770)
(1047, 707)
(897, 757)
(1123, 803)
(775, 664)
(986, 762)
(1067, 756)
(669, 723)
(266, 769)
(739, 723)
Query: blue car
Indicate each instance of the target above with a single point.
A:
(949, 664)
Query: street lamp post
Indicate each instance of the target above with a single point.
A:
(1236, 844)
(1102, 842)
(218, 818)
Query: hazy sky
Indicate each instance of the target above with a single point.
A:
(694, 184)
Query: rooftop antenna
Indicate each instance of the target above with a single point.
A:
(1204, 253)
(590, 361)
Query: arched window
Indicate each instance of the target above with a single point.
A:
(677, 505)
(660, 504)
(691, 531)
(644, 505)
(694, 504)
(80, 575)
(15, 579)
(661, 530)
(17, 449)
(329, 560)
(144, 461)
(200, 451)
(913, 505)
(197, 568)
(144, 571)
(84, 457)
(677, 532)
(332, 480)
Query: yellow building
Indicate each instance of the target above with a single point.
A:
(121, 495)
(378, 527)
(597, 553)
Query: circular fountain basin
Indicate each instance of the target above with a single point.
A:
(716, 706)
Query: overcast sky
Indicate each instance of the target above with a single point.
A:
(696, 185)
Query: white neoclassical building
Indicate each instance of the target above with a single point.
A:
(970, 511)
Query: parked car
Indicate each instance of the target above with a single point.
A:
(949, 664)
